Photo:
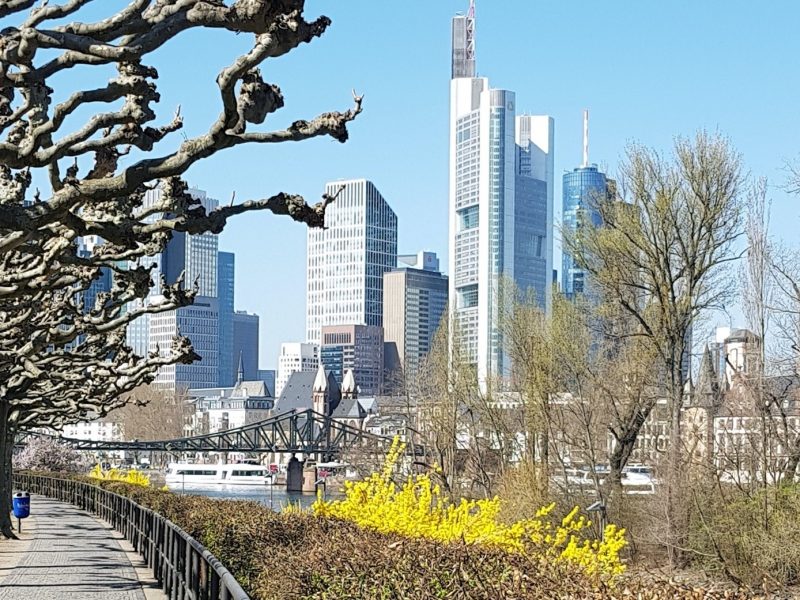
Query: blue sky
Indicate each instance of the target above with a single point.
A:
(647, 71)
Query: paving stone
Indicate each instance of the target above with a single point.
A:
(72, 556)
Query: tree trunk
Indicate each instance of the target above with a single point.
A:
(787, 477)
(6, 484)
(676, 521)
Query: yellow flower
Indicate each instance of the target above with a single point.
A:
(417, 508)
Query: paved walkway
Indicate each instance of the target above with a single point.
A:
(68, 554)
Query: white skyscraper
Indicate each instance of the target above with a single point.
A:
(347, 259)
(501, 203)
(295, 357)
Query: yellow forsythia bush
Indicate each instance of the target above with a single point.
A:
(132, 477)
(418, 508)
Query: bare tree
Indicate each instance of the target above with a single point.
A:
(660, 257)
(60, 360)
(152, 414)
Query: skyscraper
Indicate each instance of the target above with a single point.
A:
(225, 292)
(583, 188)
(358, 348)
(195, 257)
(295, 357)
(347, 259)
(200, 323)
(245, 343)
(138, 332)
(501, 182)
(414, 301)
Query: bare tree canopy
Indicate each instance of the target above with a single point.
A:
(660, 257)
(61, 360)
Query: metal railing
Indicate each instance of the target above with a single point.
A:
(181, 565)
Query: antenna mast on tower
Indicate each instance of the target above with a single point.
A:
(471, 33)
(585, 138)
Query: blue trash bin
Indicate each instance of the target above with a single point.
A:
(21, 504)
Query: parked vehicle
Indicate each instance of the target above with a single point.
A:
(636, 479)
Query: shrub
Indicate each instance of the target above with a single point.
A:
(133, 477)
(299, 556)
(418, 509)
(751, 537)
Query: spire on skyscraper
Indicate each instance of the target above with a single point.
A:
(585, 138)
(464, 44)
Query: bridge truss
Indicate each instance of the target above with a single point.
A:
(306, 432)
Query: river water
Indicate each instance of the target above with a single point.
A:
(275, 496)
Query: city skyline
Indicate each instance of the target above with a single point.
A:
(646, 112)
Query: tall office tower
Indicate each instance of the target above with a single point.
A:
(583, 188)
(138, 332)
(347, 259)
(195, 258)
(414, 301)
(268, 377)
(354, 347)
(533, 206)
(193, 255)
(245, 344)
(500, 204)
(295, 357)
(200, 323)
(225, 292)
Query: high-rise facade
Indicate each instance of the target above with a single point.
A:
(268, 377)
(245, 343)
(347, 259)
(195, 258)
(200, 323)
(501, 189)
(358, 348)
(226, 263)
(138, 332)
(295, 357)
(582, 189)
(414, 301)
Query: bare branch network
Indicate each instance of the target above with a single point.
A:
(61, 360)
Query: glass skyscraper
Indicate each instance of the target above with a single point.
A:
(347, 259)
(196, 257)
(501, 199)
(226, 262)
(583, 188)
(245, 344)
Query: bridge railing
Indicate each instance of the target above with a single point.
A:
(181, 565)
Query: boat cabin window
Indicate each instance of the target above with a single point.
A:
(247, 473)
(195, 472)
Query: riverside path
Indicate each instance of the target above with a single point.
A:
(65, 553)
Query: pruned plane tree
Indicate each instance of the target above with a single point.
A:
(79, 162)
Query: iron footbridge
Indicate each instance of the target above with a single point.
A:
(306, 431)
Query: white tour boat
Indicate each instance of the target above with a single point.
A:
(227, 474)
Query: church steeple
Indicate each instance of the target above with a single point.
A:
(707, 391)
(240, 371)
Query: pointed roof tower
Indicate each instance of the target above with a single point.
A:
(321, 380)
(240, 370)
(706, 391)
(349, 384)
